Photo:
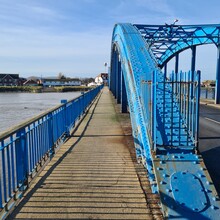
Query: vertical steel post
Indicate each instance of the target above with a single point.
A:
(154, 109)
(197, 109)
(165, 70)
(217, 85)
(112, 81)
(21, 157)
(1, 177)
(119, 82)
(193, 67)
(123, 95)
(176, 71)
(116, 75)
(111, 72)
(177, 63)
(193, 60)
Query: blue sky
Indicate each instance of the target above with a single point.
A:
(45, 37)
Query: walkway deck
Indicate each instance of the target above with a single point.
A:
(91, 177)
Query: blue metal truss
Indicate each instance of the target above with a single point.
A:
(167, 40)
(164, 116)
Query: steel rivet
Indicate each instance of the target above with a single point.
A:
(162, 183)
(214, 198)
(213, 207)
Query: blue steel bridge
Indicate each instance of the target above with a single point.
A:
(80, 146)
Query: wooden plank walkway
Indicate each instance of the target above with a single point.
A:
(92, 176)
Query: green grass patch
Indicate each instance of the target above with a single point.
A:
(20, 88)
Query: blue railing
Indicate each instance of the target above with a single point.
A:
(27, 146)
(177, 107)
(171, 110)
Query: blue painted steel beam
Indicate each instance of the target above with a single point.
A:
(217, 86)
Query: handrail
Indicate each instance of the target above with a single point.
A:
(29, 145)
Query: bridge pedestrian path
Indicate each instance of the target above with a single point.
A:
(92, 176)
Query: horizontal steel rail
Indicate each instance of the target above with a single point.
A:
(26, 147)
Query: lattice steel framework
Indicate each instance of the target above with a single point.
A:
(167, 40)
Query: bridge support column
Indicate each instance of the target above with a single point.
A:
(113, 73)
(217, 85)
(165, 70)
(177, 63)
(123, 95)
(193, 67)
(118, 85)
(176, 72)
(193, 61)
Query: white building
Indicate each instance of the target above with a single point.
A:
(92, 84)
(102, 78)
(60, 82)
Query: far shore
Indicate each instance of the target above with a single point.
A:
(39, 89)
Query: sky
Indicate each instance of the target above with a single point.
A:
(45, 37)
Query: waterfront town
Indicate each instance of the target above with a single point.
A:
(8, 79)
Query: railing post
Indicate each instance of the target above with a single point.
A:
(51, 134)
(2, 176)
(21, 157)
(64, 101)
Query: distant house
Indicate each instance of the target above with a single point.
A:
(208, 83)
(31, 82)
(61, 82)
(9, 79)
(102, 78)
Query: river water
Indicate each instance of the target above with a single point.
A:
(17, 107)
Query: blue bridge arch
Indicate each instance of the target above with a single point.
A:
(164, 115)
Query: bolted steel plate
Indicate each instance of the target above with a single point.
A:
(188, 191)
